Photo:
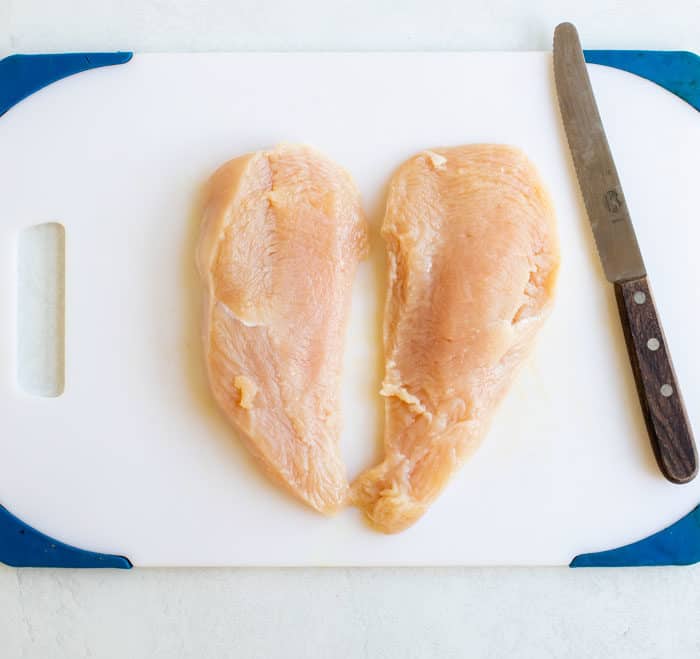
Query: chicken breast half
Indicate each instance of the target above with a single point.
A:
(281, 237)
(473, 258)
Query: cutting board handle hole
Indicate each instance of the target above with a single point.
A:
(41, 276)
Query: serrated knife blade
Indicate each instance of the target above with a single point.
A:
(595, 167)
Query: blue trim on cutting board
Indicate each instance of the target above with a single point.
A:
(679, 544)
(20, 544)
(22, 75)
(23, 546)
(676, 71)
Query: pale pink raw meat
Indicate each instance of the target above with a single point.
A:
(282, 234)
(473, 258)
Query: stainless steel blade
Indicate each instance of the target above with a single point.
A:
(595, 168)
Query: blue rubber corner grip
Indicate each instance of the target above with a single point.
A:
(675, 71)
(679, 544)
(22, 75)
(23, 546)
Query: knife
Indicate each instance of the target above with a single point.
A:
(660, 397)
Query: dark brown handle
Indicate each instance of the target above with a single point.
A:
(662, 404)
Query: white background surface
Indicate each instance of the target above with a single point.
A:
(373, 613)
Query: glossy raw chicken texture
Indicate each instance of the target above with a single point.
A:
(282, 234)
(473, 258)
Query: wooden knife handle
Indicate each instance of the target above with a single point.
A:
(662, 404)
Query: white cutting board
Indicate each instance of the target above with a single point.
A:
(134, 458)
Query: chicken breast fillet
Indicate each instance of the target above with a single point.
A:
(473, 258)
(281, 237)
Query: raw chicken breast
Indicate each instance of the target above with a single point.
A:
(472, 257)
(282, 234)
